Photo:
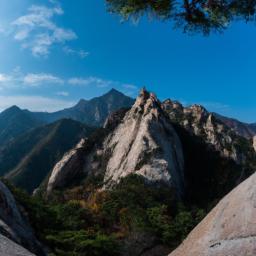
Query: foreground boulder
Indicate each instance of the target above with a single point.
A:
(14, 226)
(229, 229)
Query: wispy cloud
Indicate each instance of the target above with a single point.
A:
(4, 78)
(34, 103)
(130, 89)
(41, 78)
(94, 81)
(17, 79)
(64, 94)
(72, 52)
(38, 32)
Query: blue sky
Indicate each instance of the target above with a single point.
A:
(55, 52)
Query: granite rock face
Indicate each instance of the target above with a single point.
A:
(13, 225)
(142, 142)
(229, 229)
(145, 143)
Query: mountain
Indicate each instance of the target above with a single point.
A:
(194, 147)
(150, 176)
(144, 143)
(229, 229)
(15, 231)
(14, 121)
(242, 129)
(136, 186)
(93, 112)
(27, 160)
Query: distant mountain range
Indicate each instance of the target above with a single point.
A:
(243, 129)
(14, 121)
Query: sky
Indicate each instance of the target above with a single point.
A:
(54, 53)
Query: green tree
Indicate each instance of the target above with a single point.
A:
(192, 15)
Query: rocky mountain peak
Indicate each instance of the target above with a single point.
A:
(145, 103)
(142, 142)
(146, 144)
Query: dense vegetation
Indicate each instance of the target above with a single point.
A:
(85, 221)
(191, 15)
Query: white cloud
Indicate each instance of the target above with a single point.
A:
(38, 32)
(80, 53)
(41, 78)
(34, 103)
(130, 86)
(95, 81)
(64, 94)
(4, 78)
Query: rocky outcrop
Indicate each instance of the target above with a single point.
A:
(68, 167)
(13, 225)
(143, 142)
(229, 229)
(198, 121)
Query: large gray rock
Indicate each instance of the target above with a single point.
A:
(229, 229)
(13, 225)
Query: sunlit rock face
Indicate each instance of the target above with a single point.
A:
(254, 143)
(13, 225)
(145, 143)
(229, 229)
(138, 141)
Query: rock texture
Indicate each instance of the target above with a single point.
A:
(254, 143)
(143, 142)
(13, 225)
(198, 121)
(229, 229)
(9, 248)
